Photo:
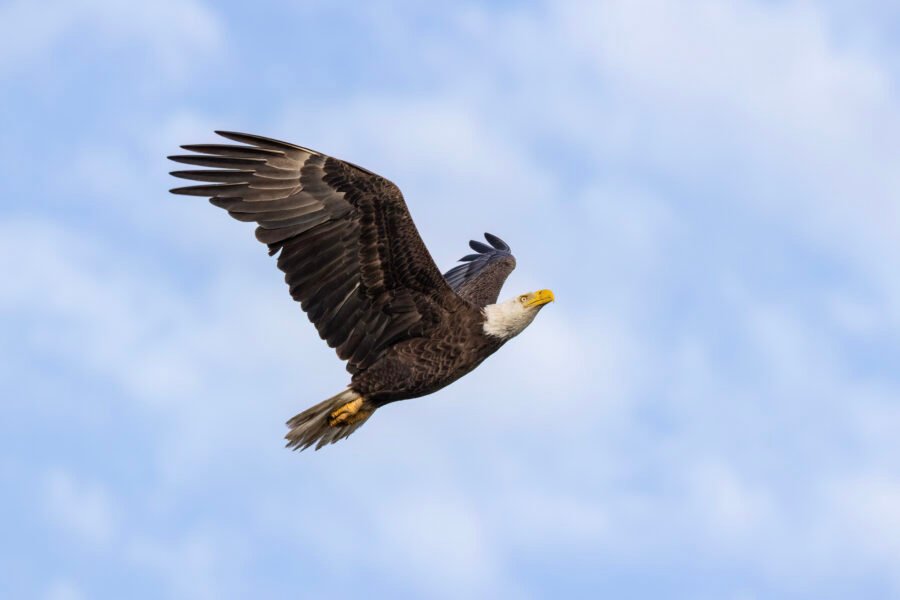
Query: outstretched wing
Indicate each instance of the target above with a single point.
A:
(479, 279)
(348, 247)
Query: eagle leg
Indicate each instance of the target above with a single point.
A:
(350, 413)
(329, 421)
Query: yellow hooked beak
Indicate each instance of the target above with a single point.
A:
(539, 298)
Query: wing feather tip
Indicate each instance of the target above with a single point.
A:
(205, 190)
(496, 242)
(261, 141)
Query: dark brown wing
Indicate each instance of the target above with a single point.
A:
(349, 249)
(481, 276)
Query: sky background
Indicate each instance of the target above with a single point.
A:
(710, 410)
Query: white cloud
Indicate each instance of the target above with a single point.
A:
(99, 315)
(803, 126)
(193, 565)
(868, 508)
(856, 525)
(537, 519)
(64, 590)
(439, 544)
(731, 508)
(80, 508)
(172, 33)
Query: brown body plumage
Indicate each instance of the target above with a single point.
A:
(355, 262)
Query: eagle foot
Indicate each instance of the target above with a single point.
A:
(349, 413)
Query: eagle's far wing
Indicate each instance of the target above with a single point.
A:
(348, 247)
(479, 279)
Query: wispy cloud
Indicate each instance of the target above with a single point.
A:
(172, 33)
(63, 590)
(81, 509)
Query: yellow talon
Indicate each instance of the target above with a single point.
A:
(349, 413)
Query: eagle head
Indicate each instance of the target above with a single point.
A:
(508, 319)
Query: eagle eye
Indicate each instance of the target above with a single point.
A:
(523, 298)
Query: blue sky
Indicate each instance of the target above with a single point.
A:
(710, 409)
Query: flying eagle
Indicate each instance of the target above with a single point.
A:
(355, 262)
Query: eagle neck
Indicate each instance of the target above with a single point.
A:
(506, 320)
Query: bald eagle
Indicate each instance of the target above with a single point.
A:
(354, 260)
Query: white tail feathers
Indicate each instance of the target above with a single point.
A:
(329, 421)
